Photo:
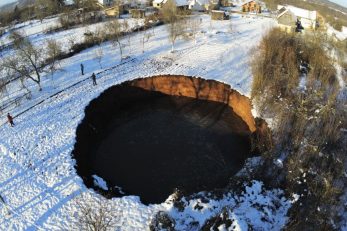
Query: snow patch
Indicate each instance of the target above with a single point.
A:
(99, 182)
(340, 35)
(255, 207)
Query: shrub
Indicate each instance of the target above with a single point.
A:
(295, 83)
(94, 214)
(223, 218)
(162, 221)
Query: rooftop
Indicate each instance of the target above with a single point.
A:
(298, 12)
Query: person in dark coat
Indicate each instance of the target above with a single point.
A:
(82, 69)
(10, 119)
(94, 79)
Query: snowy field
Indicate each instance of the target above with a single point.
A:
(340, 35)
(37, 31)
(38, 182)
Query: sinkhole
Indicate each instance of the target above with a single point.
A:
(149, 136)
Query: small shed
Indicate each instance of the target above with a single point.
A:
(158, 3)
(138, 13)
(307, 18)
(286, 20)
(251, 6)
(219, 15)
(114, 11)
(199, 5)
(214, 5)
(180, 4)
(226, 3)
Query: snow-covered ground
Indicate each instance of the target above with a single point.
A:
(35, 31)
(38, 182)
(340, 35)
(30, 28)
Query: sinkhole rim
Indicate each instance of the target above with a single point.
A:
(171, 85)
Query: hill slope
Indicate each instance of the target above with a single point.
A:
(334, 14)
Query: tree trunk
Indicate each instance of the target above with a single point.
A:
(40, 88)
(129, 42)
(120, 50)
(38, 81)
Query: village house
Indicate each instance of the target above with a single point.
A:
(251, 6)
(114, 11)
(158, 4)
(181, 4)
(80, 16)
(214, 5)
(198, 5)
(219, 15)
(139, 4)
(288, 16)
(227, 3)
(137, 13)
(111, 9)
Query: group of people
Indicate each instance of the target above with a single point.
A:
(93, 77)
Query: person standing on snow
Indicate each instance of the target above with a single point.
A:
(10, 119)
(82, 69)
(94, 79)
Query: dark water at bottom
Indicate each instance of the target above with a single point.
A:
(153, 146)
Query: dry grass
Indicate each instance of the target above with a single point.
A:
(307, 121)
(281, 61)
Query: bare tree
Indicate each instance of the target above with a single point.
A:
(23, 86)
(171, 16)
(15, 69)
(3, 88)
(72, 41)
(1, 47)
(100, 35)
(146, 34)
(127, 30)
(115, 33)
(54, 50)
(230, 26)
(99, 53)
(27, 14)
(95, 215)
(27, 62)
(194, 25)
(44, 8)
(14, 62)
(86, 6)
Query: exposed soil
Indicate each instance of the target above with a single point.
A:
(149, 143)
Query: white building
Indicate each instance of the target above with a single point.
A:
(307, 18)
(179, 3)
(158, 3)
(198, 5)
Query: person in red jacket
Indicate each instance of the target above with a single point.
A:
(10, 119)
